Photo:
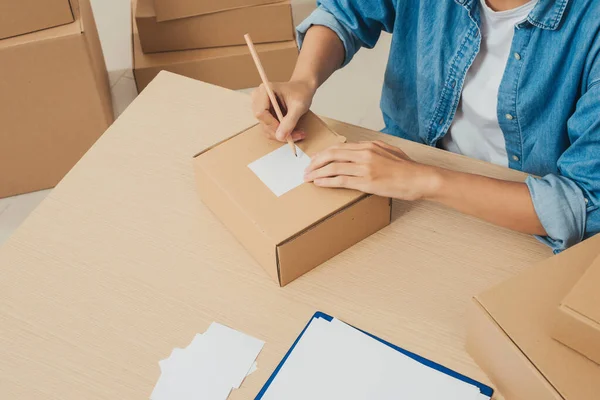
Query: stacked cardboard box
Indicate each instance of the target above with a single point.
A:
(26, 16)
(55, 97)
(325, 222)
(204, 39)
(511, 329)
(578, 318)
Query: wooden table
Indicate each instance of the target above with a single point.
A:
(122, 263)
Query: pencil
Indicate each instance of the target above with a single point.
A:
(263, 77)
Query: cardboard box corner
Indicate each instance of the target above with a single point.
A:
(578, 316)
(509, 332)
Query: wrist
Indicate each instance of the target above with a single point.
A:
(431, 182)
(309, 82)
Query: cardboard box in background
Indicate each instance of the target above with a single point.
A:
(230, 67)
(175, 9)
(18, 17)
(509, 332)
(267, 23)
(294, 233)
(55, 102)
(578, 320)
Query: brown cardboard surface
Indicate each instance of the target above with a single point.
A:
(343, 229)
(46, 34)
(578, 320)
(175, 9)
(267, 23)
(121, 262)
(228, 162)
(511, 372)
(55, 103)
(18, 17)
(510, 332)
(230, 67)
(267, 221)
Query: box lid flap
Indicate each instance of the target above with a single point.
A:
(279, 218)
(525, 308)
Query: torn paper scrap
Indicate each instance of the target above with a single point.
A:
(211, 366)
(232, 352)
(280, 170)
(252, 369)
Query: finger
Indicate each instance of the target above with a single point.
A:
(280, 102)
(260, 101)
(347, 182)
(334, 169)
(289, 122)
(269, 132)
(268, 122)
(337, 153)
(298, 135)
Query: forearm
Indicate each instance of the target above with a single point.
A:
(321, 55)
(503, 203)
(381, 169)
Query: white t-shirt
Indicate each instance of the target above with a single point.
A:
(475, 131)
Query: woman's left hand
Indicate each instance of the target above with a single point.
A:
(372, 167)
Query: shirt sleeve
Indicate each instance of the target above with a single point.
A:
(357, 23)
(567, 203)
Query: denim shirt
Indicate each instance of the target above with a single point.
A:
(548, 102)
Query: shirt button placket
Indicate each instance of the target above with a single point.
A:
(511, 117)
(508, 101)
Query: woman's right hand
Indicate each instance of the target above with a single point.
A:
(295, 98)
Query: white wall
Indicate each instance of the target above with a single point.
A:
(113, 18)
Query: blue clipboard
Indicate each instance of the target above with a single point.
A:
(484, 389)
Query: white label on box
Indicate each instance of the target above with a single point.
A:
(280, 170)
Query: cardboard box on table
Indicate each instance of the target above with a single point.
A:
(509, 332)
(230, 67)
(578, 319)
(175, 9)
(18, 17)
(54, 103)
(294, 233)
(267, 23)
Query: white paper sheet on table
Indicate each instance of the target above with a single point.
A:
(210, 367)
(280, 170)
(335, 360)
(233, 352)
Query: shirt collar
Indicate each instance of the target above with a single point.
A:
(547, 14)
(468, 4)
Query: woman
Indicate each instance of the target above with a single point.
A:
(513, 82)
